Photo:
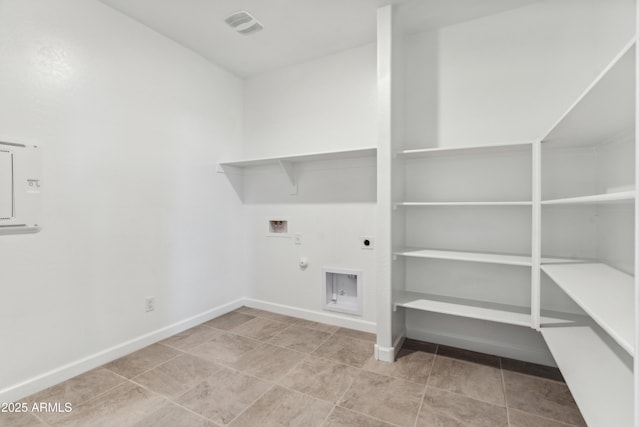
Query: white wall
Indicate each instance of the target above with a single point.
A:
(322, 105)
(131, 127)
(508, 77)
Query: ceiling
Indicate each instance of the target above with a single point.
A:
(294, 30)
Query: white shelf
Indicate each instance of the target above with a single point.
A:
(606, 294)
(600, 380)
(494, 312)
(409, 204)
(618, 197)
(234, 169)
(496, 148)
(606, 107)
(308, 157)
(482, 257)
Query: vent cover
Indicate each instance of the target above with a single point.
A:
(244, 23)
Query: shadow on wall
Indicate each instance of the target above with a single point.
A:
(327, 181)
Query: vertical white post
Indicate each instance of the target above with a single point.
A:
(536, 229)
(384, 327)
(636, 359)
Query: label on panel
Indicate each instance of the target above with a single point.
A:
(6, 185)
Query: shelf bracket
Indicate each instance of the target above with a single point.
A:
(235, 177)
(288, 169)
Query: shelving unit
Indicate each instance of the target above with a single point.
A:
(461, 150)
(502, 313)
(595, 354)
(618, 197)
(483, 257)
(587, 283)
(600, 380)
(464, 220)
(235, 170)
(430, 204)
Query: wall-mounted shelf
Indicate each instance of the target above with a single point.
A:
(604, 109)
(474, 309)
(597, 377)
(235, 169)
(488, 149)
(428, 204)
(483, 257)
(606, 294)
(618, 197)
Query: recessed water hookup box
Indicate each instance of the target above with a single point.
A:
(342, 290)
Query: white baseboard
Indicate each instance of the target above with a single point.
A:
(344, 321)
(389, 354)
(484, 346)
(70, 370)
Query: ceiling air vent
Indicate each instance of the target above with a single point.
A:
(243, 22)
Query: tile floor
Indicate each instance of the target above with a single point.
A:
(256, 368)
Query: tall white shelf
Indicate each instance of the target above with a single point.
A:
(580, 213)
(595, 353)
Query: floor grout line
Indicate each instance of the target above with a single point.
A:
(426, 386)
(504, 391)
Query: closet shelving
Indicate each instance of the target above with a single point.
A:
(595, 351)
(483, 257)
(466, 205)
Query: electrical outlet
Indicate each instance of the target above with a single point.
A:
(297, 238)
(366, 242)
(149, 304)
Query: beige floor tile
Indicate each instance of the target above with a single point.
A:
(389, 399)
(546, 398)
(19, 419)
(410, 365)
(347, 350)
(229, 321)
(442, 408)
(79, 389)
(76, 391)
(282, 407)
(252, 311)
(473, 380)
(300, 339)
(366, 336)
(171, 415)
(321, 378)
(341, 417)
(523, 419)
(268, 362)
(260, 329)
(123, 406)
(178, 375)
(278, 317)
(224, 395)
(316, 325)
(191, 338)
(142, 360)
(225, 348)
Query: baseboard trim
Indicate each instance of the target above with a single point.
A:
(312, 315)
(70, 370)
(483, 346)
(389, 354)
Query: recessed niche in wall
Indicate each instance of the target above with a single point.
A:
(342, 290)
(278, 227)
